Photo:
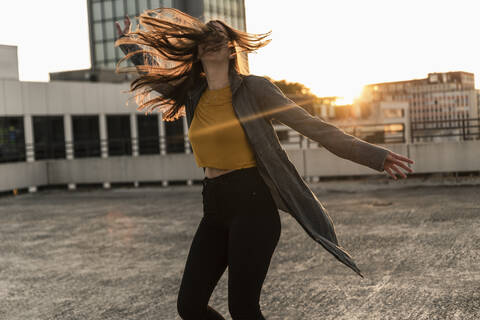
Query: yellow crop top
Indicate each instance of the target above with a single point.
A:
(217, 138)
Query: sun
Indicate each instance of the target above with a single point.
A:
(348, 96)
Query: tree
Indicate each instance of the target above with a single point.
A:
(297, 92)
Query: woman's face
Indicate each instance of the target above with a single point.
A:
(219, 54)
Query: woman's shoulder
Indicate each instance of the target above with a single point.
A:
(256, 82)
(254, 78)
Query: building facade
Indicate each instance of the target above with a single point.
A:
(441, 106)
(102, 15)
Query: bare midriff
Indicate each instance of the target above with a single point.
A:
(214, 172)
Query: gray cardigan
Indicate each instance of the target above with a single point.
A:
(256, 101)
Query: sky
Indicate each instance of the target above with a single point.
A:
(333, 47)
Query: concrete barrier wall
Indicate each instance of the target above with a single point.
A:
(124, 169)
(323, 163)
(428, 157)
(22, 175)
(446, 156)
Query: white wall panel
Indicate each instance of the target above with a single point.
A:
(65, 97)
(8, 62)
(121, 103)
(2, 97)
(108, 98)
(34, 96)
(13, 98)
(76, 96)
(93, 97)
(56, 99)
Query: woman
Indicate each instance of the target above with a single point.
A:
(248, 176)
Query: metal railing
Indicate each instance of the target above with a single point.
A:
(373, 133)
(464, 129)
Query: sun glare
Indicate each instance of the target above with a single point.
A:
(348, 97)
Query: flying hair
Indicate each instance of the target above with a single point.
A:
(170, 68)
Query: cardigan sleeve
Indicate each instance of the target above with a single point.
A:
(275, 104)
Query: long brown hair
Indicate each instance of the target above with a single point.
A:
(171, 65)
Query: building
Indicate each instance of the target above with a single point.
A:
(395, 117)
(82, 125)
(441, 106)
(83, 113)
(102, 15)
(70, 119)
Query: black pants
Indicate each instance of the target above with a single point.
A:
(240, 228)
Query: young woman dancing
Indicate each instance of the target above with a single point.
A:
(193, 69)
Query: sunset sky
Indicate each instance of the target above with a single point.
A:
(333, 47)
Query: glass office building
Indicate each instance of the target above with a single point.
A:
(104, 13)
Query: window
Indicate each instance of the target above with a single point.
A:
(109, 29)
(110, 51)
(118, 53)
(131, 9)
(86, 136)
(118, 132)
(49, 138)
(142, 5)
(12, 140)
(174, 136)
(119, 8)
(97, 11)
(234, 7)
(220, 6)
(235, 22)
(227, 7)
(148, 134)
(154, 4)
(108, 9)
(97, 31)
(99, 54)
(241, 25)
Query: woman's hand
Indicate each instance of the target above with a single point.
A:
(127, 26)
(392, 161)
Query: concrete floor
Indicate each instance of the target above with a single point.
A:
(120, 253)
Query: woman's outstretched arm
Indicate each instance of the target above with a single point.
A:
(277, 105)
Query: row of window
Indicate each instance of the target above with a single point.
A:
(226, 7)
(108, 9)
(462, 98)
(441, 104)
(49, 137)
(443, 114)
(420, 110)
(418, 89)
(105, 30)
(116, 9)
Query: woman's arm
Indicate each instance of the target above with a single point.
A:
(278, 106)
